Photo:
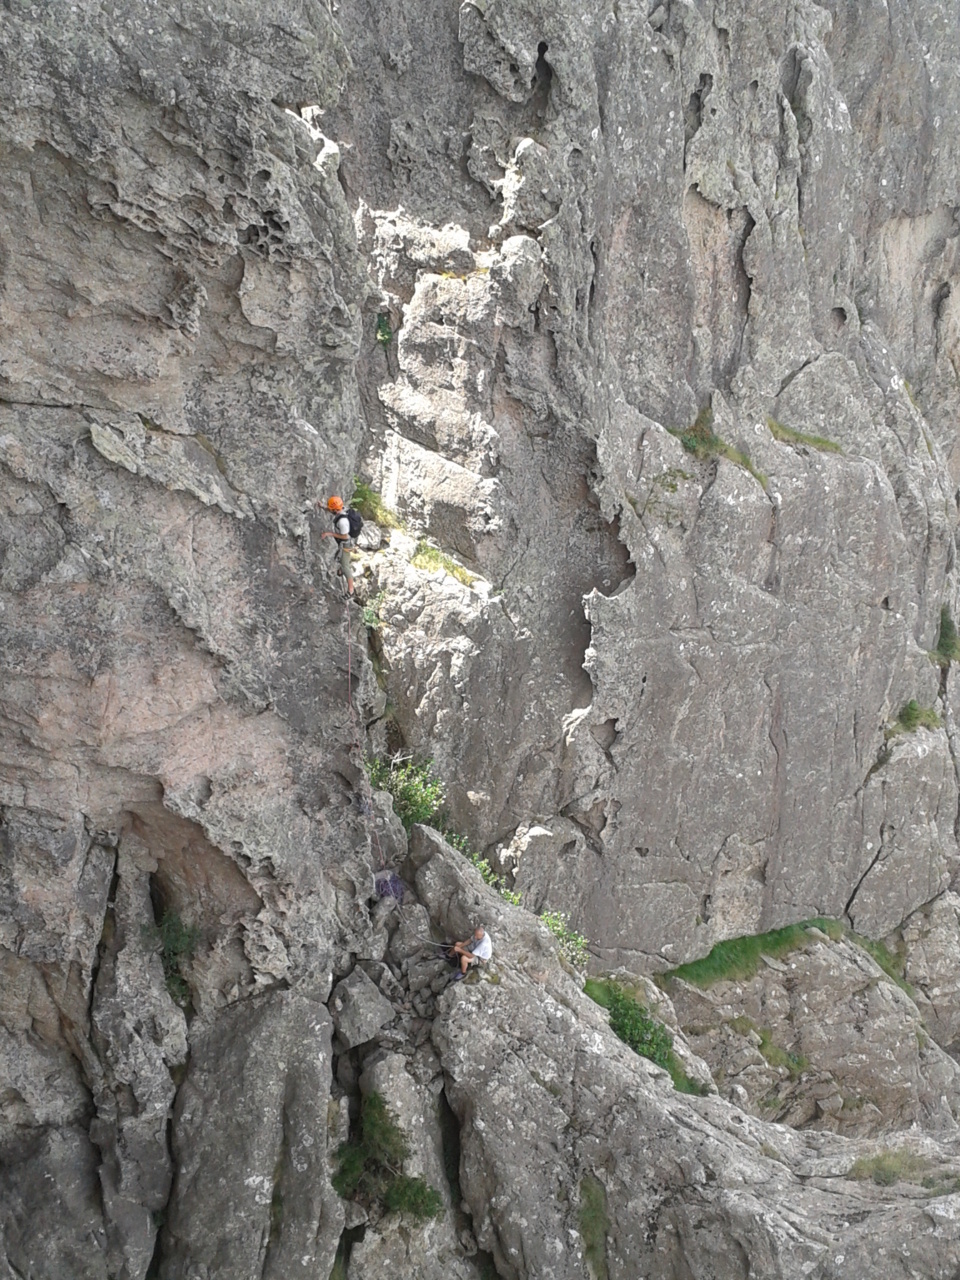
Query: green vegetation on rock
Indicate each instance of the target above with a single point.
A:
(740, 958)
(431, 558)
(701, 440)
(573, 945)
(645, 1035)
(889, 1167)
(416, 791)
(371, 1166)
(177, 942)
(786, 435)
(594, 1225)
(372, 507)
(948, 642)
(913, 717)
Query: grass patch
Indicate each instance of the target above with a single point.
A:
(573, 945)
(701, 440)
(384, 330)
(432, 558)
(888, 1168)
(740, 958)
(913, 717)
(371, 1166)
(372, 507)
(948, 642)
(645, 1035)
(942, 1184)
(778, 1057)
(594, 1225)
(892, 965)
(787, 435)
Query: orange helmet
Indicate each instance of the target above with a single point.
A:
(334, 504)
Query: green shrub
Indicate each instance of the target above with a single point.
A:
(490, 877)
(371, 612)
(701, 440)
(432, 558)
(788, 436)
(644, 1034)
(913, 717)
(413, 1196)
(372, 507)
(384, 331)
(573, 945)
(416, 791)
(889, 1167)
(948, 642)
(178, 943)
(594, 1225)
(371, 1166)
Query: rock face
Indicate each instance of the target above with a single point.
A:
(646, 319)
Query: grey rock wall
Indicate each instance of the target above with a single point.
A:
(663, 704)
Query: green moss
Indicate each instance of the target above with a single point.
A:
(786, 435)
(892, 965)
(432, 558)
(372, 507)
(701, 440)
(889, 1167)
(740, 958)
(594, 1225)
(913, 717)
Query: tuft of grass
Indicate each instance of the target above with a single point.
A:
(739, 958)
(889, 1167)
(372, 507)
(432, 558)
(490, 877)
(573, 945)
(948, 642)
(371, 1166)
(594, 1225)
(892, 965)
(645, 1035)
(701, 440)
(787, 435)
(416, 791)
(778, 1057)
(913, 717)
(384, 330)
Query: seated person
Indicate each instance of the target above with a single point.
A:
(476, 950)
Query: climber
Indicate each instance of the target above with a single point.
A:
(476, 950)
(346, 526)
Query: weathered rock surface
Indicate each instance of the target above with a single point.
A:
(496, 257)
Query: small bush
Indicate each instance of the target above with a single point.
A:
(371, 1166)
(384, 331)
(417, 793)
(644, 1034)
(413, 1196)
(948, 642)
(177, 942)
(432, 558)
(573, 945)
(372, 507)
(786, 435)
(795, 1063)
(889, 1167)
(913, 717)
(490, 877)
(371, 612)
(594, 1225)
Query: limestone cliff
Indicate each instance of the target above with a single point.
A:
(643, 314)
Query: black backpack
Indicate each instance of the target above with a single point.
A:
(354, 518)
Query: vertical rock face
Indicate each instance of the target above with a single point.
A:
(647, 316)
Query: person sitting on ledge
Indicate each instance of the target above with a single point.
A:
(475, 950)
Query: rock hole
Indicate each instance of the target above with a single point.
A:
(940, 299)
(839, 318)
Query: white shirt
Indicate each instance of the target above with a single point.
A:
(482, 948)
(342, 525)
